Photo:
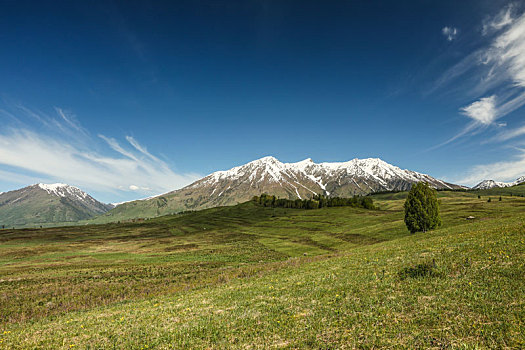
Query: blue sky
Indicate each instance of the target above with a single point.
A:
(130, 99)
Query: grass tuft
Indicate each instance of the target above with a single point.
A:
(426, 269)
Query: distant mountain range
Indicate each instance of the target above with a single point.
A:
(488, 184)
(41, 203)
(287, 180)
(58, 203)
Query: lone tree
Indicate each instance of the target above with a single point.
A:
(422, 208)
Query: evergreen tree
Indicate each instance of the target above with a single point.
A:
(422, 208)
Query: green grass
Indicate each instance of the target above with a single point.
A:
(251, 277)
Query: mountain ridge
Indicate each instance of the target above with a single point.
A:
(301, 180)
(368, 168)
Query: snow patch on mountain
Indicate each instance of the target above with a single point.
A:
(64, 190)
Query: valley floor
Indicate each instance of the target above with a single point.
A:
(251, 277)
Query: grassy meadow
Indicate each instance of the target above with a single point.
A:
(249, 277)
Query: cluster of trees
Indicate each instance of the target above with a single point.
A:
(316, 202)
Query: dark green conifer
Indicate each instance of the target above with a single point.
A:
(422, 209)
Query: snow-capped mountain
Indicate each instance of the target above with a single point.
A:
(357, 176)
(287, 180)
(487, 184)
(48, 203)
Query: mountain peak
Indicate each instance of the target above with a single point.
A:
(301, 165)
(52, 187)
(63, 190)
(265, 160)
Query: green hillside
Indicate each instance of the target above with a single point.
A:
(254, 277)
(42, 209)
(34, 206)
(139, 209)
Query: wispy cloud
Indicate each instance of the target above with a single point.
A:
(500, 171)
(450, 33)
(494, 77)
(70, 122)
(49, 154)
(142, 149)
(509, 134)
(501, 20)
(500, 71)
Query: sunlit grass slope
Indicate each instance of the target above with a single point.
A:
(238, 277)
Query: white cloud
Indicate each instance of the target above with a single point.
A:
(482, 111)
(53, 156)
(499, 171)
(450, 33)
